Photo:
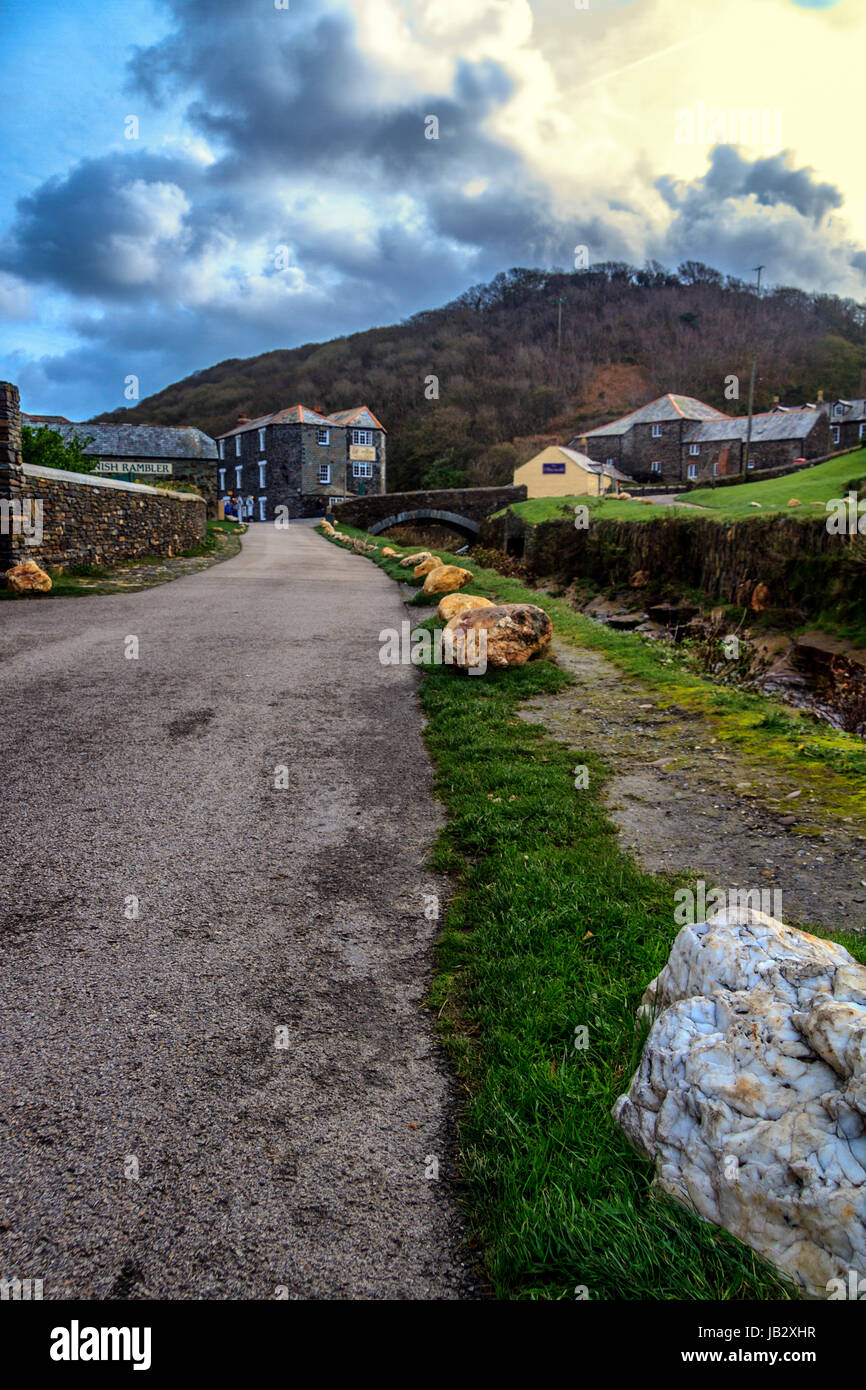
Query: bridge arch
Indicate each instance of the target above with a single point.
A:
(465, 524)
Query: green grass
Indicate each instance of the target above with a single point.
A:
(551, 927)
(811, 486)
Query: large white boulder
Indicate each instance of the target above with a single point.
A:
(750, 1097)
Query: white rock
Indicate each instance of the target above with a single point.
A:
(751, 1093)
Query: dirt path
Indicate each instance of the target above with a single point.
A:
(238, 1090)
(681, 800)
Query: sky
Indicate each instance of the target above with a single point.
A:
(186, 181)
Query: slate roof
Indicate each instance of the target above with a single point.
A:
(140, 441)
(361, 417)
(855, 410)
(795, 424)
(589, 466)
(669, 407)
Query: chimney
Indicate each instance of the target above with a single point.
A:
(775, 400)
(820, 397)
(243, 419)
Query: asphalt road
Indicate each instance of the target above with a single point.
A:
(155, 1140)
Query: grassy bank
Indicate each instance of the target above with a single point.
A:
(551, 927)
(813, 488)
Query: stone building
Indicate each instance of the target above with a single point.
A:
(678, 439)
(648, 443)
(302, 459)
(847, 424)
(144, 453)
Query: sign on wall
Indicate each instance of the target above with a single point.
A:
(367, 452)
(133, 466)
(553, 468)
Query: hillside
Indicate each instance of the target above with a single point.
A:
(504, 384)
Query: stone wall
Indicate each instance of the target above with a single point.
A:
(86, 519)
(803, 566)
(452, 505)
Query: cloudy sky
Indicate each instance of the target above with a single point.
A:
(190, 180)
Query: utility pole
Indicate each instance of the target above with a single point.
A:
(757, 269)
(559, 303)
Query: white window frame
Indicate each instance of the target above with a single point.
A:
(237, 446)
(327, 437)
(862, 431)
(838, 410)
(751, 464)
(222, 448)
(324, 473)
(657, 432)
(716, 469)
(836, 431)
(362, 469)
(262, 440)
(362, 437)
(263, 463)
(656, 466)
(692, 471)
(222, 474)
(263, 503)
(608, 463)
(694, 450)
(239, 470)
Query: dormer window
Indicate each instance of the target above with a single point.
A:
(838, 410)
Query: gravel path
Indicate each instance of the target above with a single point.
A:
(151, 1042)
(681, 800)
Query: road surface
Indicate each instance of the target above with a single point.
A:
(236, 1093)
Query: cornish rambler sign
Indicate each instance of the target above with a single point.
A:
(132, 466)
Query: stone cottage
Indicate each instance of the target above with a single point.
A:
(302, 459)
(648, 443)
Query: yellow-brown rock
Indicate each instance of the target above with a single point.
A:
(28, 578)
(389, 553)
(514, 633)
(444, 579)
(426, 566)
(452, 605)
(414, 559)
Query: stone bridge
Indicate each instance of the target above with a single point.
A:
(463, 508)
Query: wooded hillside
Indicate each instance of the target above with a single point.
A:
(505, 385)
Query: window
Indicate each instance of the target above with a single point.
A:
(324, 472)
(222, 448)
(263, 502)
(657, 431)
(694, 449)
(222, 480)
(238, 472)
(693, 470)
(838, 410)
(836, 431)
(655, 466)
(362, 437)
(263, 463)
(323, 436)
(715, 470)
(362, 470)
(237, 446)
(862, 431)
(608, 463)
(261, 441)
(751, 463)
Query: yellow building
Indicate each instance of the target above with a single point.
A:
(561, 472)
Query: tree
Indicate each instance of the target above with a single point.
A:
(47, 448)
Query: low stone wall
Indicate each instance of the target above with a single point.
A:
(800, 562)
(464, 507)
(90, 520)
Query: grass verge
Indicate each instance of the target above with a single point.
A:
(550, 928)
